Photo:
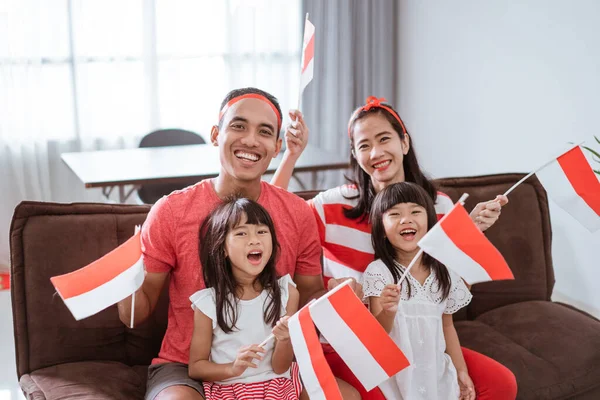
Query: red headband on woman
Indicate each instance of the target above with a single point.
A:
(373, 102)
(251, 96)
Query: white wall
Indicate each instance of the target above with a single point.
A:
(499, 86)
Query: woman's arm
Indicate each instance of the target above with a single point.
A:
(467, 389)
(283, 354)
(201, 368)
(296, 138)
(384, 308)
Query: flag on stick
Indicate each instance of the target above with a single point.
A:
(104, 282)
(357, 336)
(317, 377)
(459, 244)
(570, 181)
(308, 57)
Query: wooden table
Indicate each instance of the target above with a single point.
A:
(108, 169)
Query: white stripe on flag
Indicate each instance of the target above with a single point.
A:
(561, 191)
(332, 269)
(309, 378)
(438, 245)
(107, 294)
(307, 75)
(350, 349)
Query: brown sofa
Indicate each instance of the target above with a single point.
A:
(553, 349)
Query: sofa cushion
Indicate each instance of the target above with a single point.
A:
(522, 234)
(86, 380)
(52, 239)
(554, 351)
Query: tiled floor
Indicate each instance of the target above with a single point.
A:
(9, 387)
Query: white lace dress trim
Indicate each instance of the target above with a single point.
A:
(418, 331)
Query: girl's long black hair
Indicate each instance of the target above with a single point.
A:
(404, 192)
(362, 180)
(216, 267)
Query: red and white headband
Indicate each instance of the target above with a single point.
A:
(374, 102)
(252, 96)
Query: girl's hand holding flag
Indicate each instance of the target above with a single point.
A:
(245, 359)
(390, 297)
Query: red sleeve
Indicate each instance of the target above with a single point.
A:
(309, 252)
(157, 238)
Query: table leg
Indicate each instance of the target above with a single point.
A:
(122, 196)
(106, 191)
(299, 181)
(315, 179)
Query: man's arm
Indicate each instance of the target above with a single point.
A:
(146, 299)
(309, 286)
(159, 258)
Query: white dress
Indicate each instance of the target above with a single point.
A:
(419, 333)
(251, 329)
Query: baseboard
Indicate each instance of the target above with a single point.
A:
(557, 296)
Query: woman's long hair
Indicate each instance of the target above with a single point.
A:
(362, 180)
(404, 192)
(216, 267)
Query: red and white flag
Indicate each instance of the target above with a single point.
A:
(460, 245)
(357, 337)
(318, 380)
(571, 182)
(308, 55)
(104, 282)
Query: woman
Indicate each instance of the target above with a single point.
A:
(381, 154)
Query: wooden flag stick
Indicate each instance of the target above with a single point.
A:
(301, 65)
(132, 309)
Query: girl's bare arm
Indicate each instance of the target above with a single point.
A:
(283, 354)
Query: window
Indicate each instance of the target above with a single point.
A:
(113, 68)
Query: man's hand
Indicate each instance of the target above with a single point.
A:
(486, 214)
(356, 287)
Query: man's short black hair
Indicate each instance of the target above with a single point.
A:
(248, 90)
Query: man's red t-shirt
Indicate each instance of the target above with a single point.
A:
(170, 243)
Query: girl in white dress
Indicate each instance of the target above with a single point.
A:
(418, 316)
(244, 302)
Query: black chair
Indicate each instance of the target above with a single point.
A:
(151, 193)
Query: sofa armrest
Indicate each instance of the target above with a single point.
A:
(30, 388)
(576, 309)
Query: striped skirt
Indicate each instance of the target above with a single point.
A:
(274, 389)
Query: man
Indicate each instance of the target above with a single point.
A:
(248, 138)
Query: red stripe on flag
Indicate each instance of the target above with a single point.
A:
(309, 52)
(461, 230)
(100, 271)
(334, 215)
(319, 363)
(351, 258)
(581, 176)
(368, 330)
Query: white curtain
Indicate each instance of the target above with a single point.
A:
(356, 56)
(79, 75)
